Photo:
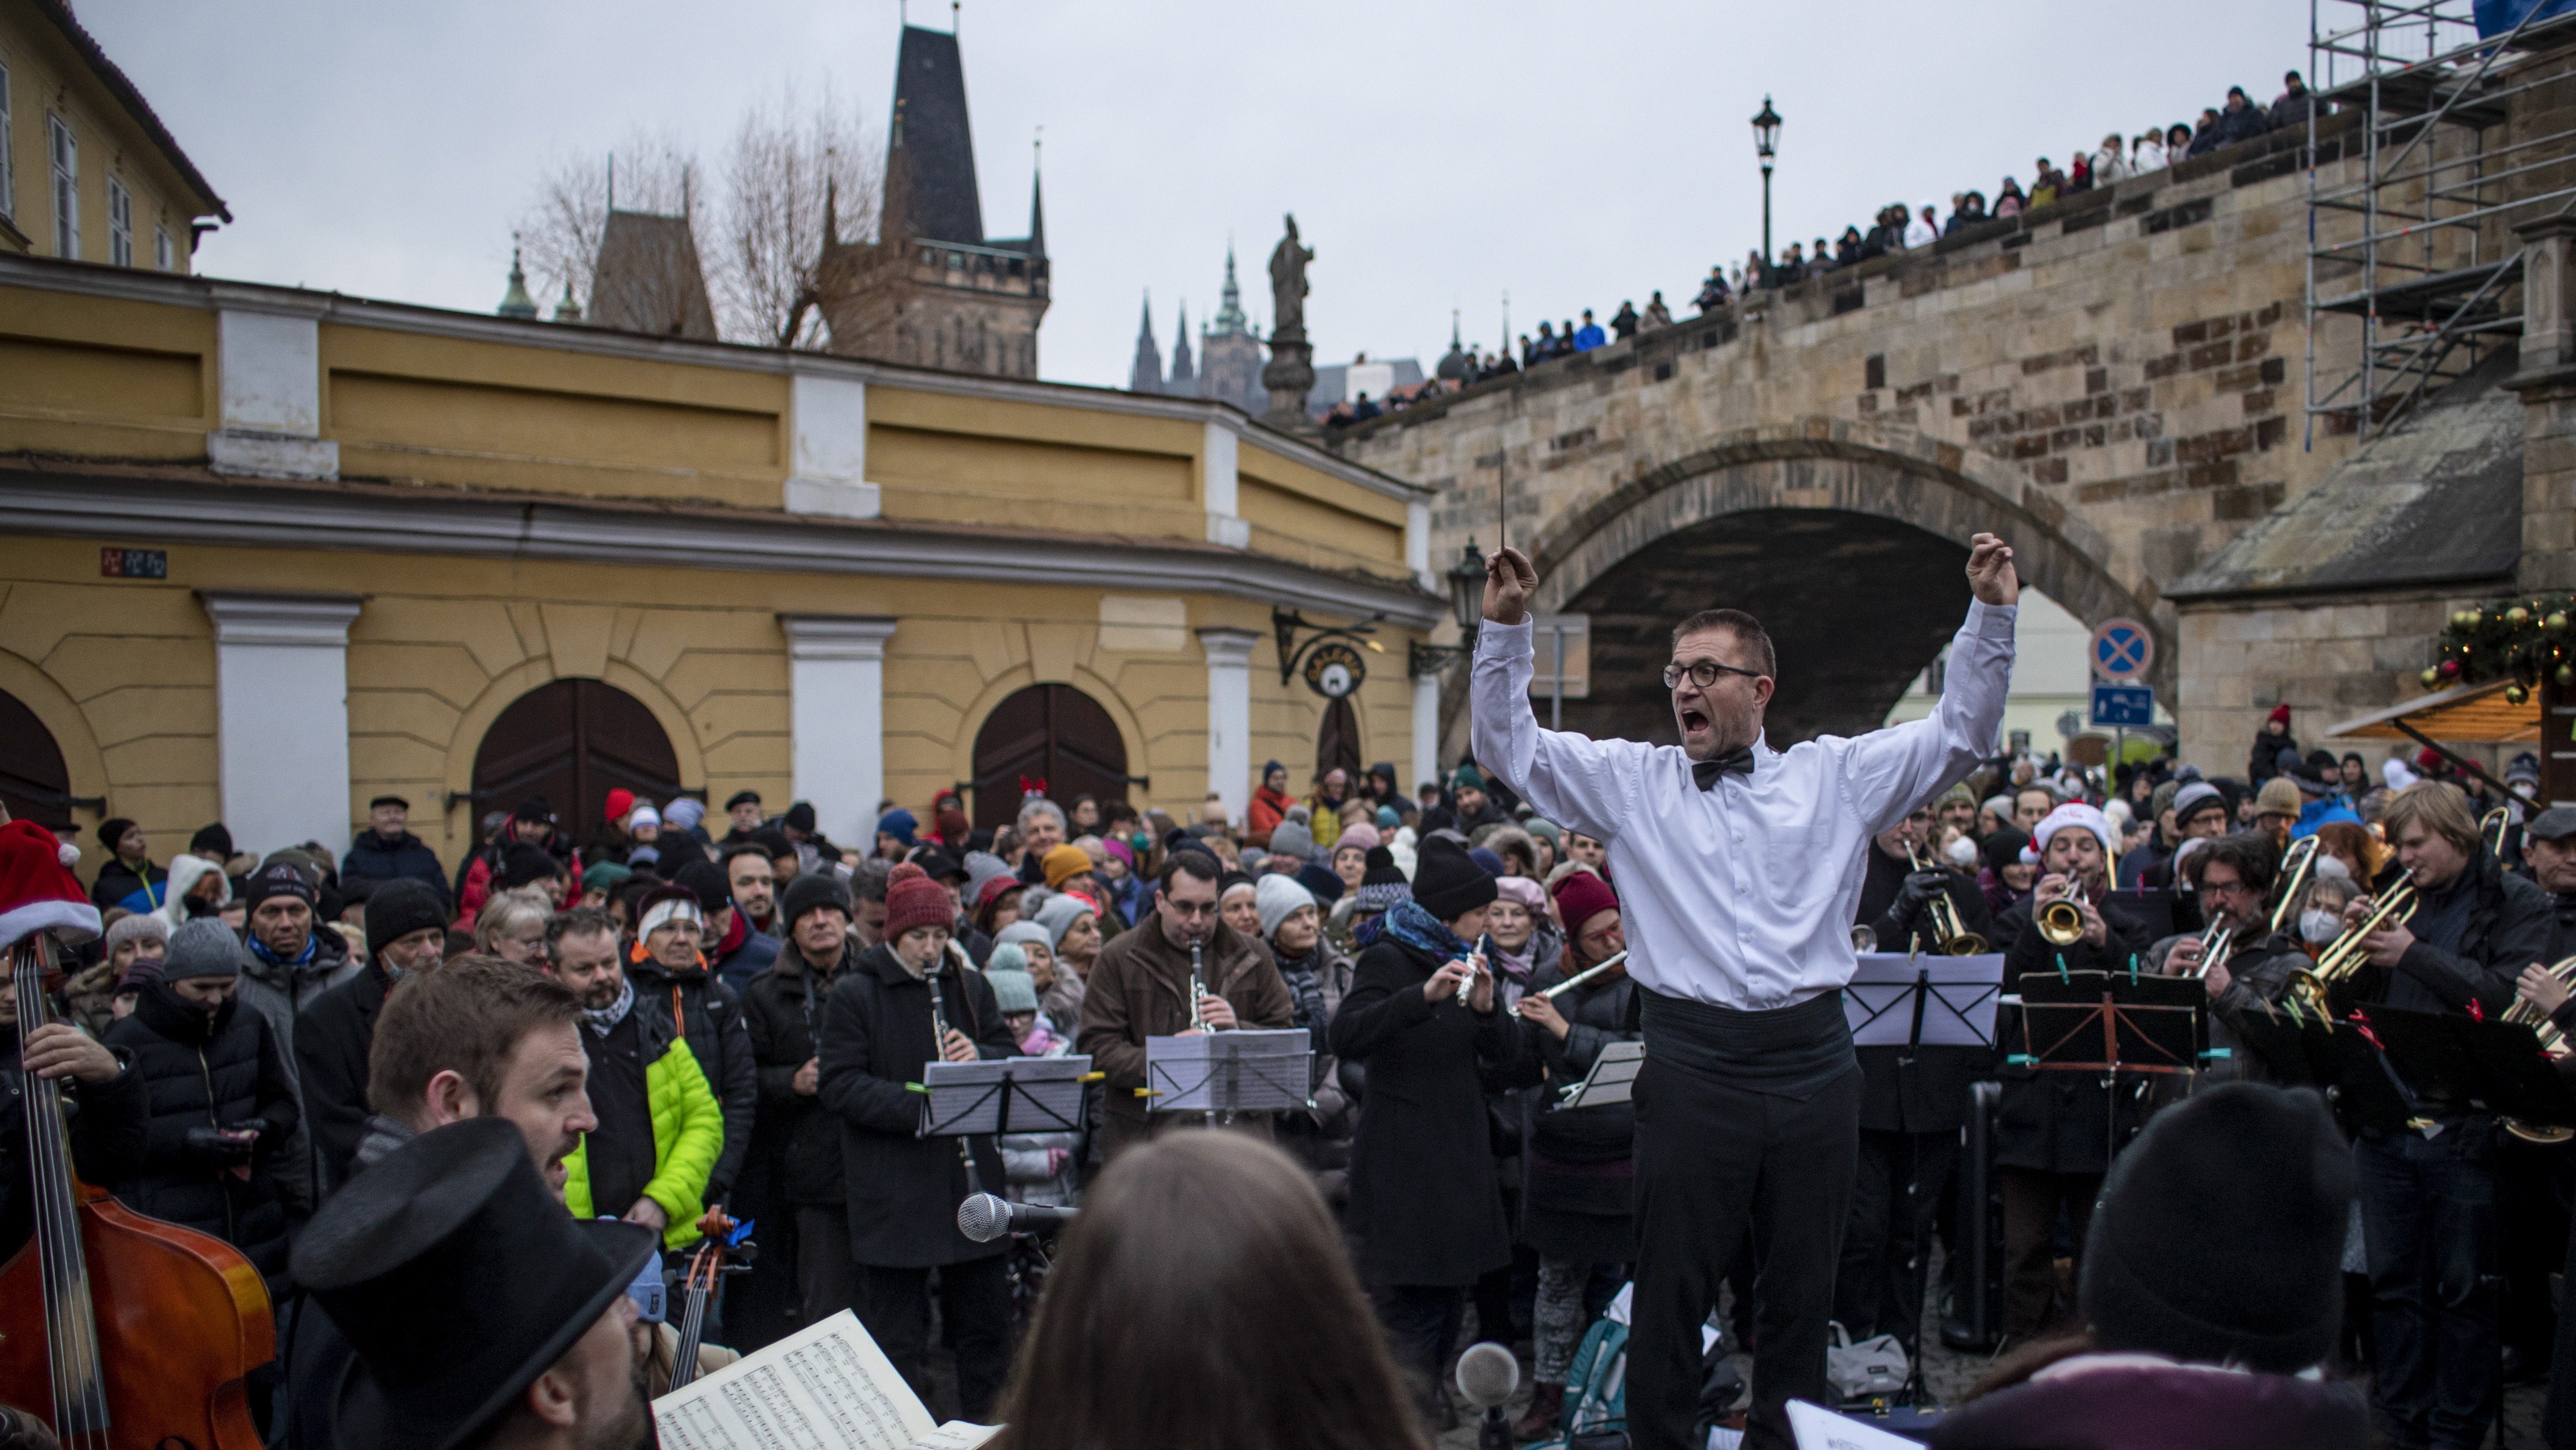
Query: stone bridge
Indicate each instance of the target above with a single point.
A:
(2114, 383)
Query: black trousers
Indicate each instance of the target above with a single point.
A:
(1903, 1179)
(2032, 1202)
(1422, 1323)
(2428, 1218)
(826, 1280)
(1714, 1163)
(975, 1310)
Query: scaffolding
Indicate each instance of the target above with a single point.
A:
(2412, 234)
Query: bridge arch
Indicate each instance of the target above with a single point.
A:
(1848, 548)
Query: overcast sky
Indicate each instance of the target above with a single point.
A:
(1437, 154)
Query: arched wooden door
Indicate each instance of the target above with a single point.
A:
(34, 782)
(574, 741)
(1050, 733)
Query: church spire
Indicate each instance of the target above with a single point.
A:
(1037, 198)
(1184, 377)
(1229, 312)
(1146, 376)
(516, 302)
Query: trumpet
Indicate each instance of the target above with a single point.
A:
(2343, 957)
(2553, 1042)
(2060, 920)
(2296, 867)
(2217, 942)
(1950, 934)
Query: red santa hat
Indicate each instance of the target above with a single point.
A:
(37, 889)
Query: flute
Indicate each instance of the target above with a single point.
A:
(1570, 983)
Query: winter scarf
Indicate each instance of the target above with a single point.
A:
(1417, 928)
(604, 1020)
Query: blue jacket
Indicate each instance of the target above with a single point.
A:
(373, 858)
(2317, 812)
(1588, 337)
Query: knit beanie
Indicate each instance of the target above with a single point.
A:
(1447, 883)
(684, 812)
(112, 830)
(1014, 990)
(2192, 796)
(136, 927)
(1388, 818)
(1360, 834)
(812, 891)
(982, 869)
(1382, 885)
(2278, 797)
(1581, 896)
(279, 878)
(1059, 915)
(620, 802)
(212, 842)
(800, 817)
(400, 907)
(1275, 897)
(2219, 1239)
(916, 901)
(1467, 777)
(2280, 713)
(704, 880)
(1320, 881)
(2164, 798)
(899, 824)
(1293, 837)
(2004, 848)
(1019, 932)
(204, 947)
(525, 864)
(605, 876)
(1063, 864)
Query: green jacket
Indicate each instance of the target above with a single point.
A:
(688, 1134)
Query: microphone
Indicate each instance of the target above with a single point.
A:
(985, 1217)
(1487, 1375)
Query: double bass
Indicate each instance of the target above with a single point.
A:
(122, 1332)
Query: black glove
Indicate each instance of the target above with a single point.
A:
(212, 1147)
(1920, 887)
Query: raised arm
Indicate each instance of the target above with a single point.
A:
(1891, 771)
(1574, 781)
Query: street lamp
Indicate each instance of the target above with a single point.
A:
(1766, 144)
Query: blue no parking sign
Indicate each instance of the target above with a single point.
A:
(2121, 651)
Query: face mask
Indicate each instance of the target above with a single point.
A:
(2319, 926)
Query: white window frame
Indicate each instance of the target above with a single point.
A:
(62, 154)
(120, 222)
(8, 176)
(162, 255)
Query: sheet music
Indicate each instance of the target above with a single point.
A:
(1817, 1428)
(956, 1435)
(1959, 1012)
(967, 1097)
(1611, 1077)
(825, 1387)
(1249, 1070)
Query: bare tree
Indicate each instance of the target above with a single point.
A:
(797, 175)
(560, 232)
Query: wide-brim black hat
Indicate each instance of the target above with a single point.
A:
(457, 1279)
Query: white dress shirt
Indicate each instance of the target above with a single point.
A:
(1740, 895)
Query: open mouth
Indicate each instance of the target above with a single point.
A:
(1694, 721)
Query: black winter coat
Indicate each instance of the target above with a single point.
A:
(2056, 1121)
(117, 881)
(795, 1155)
(373, 858)
(108, 1121)
(708, 1014)
(332, 1039)
(1578, 1175)
(210, 1072)
(2263, 760)
(903, 1189)
(1425, 1202)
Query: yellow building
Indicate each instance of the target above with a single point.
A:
(87, 172)
(266, 553)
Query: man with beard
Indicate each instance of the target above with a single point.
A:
(406, 932)
(481, 1314)
(642, 1076)
(478, 1038)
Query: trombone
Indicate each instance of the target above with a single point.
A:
(1950, 934)
(2296, 867)
(2343, 957)
(2553, 1042)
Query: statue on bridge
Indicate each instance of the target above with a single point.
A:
(1290, 374)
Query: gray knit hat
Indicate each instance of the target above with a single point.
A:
(1293, 837)
(1013, 991)
(204, 947)
(136, 927)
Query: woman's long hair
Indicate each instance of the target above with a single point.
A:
(1204, 1301)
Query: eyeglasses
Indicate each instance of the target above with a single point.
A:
(1703, 673)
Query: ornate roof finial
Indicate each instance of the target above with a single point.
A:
(516, 302)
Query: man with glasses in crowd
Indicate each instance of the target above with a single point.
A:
(1739, 871)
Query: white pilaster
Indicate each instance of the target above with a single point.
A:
(827, 456)
(1229, 662)
(268, 393)
(1417, 544)
(836, 713)
(1426, 731)
(282, 716)
(1220, 485)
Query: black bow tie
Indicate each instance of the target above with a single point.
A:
(1738, 761)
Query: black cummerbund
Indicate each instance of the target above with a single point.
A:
(1791, 1052)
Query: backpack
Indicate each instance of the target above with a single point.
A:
(1875, 1366)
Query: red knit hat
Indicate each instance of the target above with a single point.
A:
(2280, 713)
(916, 900)
(37, 889)
(620, 802)
(1581, 896)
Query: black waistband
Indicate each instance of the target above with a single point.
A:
(1790, 1052)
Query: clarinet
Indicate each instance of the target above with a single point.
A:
(939, 1053)
(1198, 989)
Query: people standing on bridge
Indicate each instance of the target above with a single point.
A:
(1589, 335)
(2008, 198)
(2147, 153)
(1714, 293)
(1657, 314)
(2295, 103)
(2111, 163)
(1738, 867)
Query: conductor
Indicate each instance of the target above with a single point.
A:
(1738, 870)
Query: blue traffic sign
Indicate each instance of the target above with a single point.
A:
(2128, 706)
(2122, 649)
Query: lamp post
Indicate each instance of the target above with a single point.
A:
(1766, 144)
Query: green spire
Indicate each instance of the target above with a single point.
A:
(516, 302)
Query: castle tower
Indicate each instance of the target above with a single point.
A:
(1146, 374)
(1183, 382)
(1229, 354)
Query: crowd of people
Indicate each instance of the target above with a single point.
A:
(685, 1013)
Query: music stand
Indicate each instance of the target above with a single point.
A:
(1225, 1073)
(2340, 1060)
(1608, 1081)
(1003, 1095)
(2112, 1023)
(2459, 1064)
(1906, 1000)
